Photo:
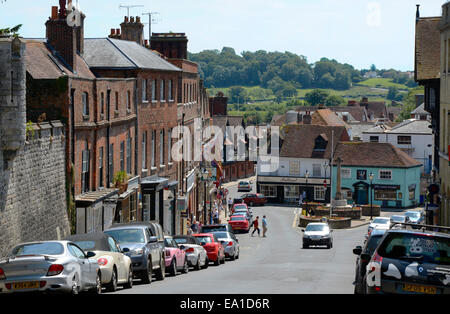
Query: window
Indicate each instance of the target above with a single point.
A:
(319, 193)
(268, 191)
(170, 90)
(144, 90)
(385, 195)
(117, 101)
(317, 170)
(294, 168)
(128, 153)
(154, 90)
(76, 252)
(85, 99)
(133, 212)
(128, 100)
(102, 103)
(153, 148)
(144, 150)
(111, 163)
(85, 170)
(346, 173)
(405, 140)
(162, 91)
(374, 139)
(113, 245)
(122, 156)
(291, 191)
(100, 167)
(385, 175)
(169, 144)
(361, 174)
(161, 147)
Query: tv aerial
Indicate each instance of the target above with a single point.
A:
(128, 7)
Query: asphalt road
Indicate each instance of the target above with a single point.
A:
(276, 264)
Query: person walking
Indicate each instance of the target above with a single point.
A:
(264, 225)
(255, 224)
(230, 205)
(216, 216)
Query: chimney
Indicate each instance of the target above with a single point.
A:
(113, 32)
(417, 13)
(307, 118)
(172, 45)
(126, 19)
(133, 30)
(54, 13)
(62, 37)
(118, 32)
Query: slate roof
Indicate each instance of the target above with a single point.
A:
(299, 140)
(109, 53)
(427, 49)
(420, 110)
(412, 126)
(366, 154)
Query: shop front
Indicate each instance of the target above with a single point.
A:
(152, 189)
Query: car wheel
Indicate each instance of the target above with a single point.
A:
(305, 246)
(223, 259)
(129, 283)
(217, 262)
(206, 263)
(237, 256)
(146, 277)
(186, 267)
(112, 286)
(173, 267)
(161, 272)
(98, 285)
(233, 257)
(75, 289)
(197, 266)
(251, 204)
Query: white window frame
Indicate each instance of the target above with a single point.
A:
(169, 146)
(144, 91)
(154, 90)
(85, 100)
(346, 173)
(162, 91)
(384, 171)
(144, 151)
(315, 167)
(170, 89)
(319, 193)
(153, 147)
(291, 191)
(161, 147)
(294, 165)
(268, 190)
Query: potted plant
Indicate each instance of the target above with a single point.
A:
(120, 181)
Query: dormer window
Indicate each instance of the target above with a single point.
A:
(321, 143)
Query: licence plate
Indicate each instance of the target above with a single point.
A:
(26, 285)
(419, 289)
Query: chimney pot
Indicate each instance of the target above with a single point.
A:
(54, 13)
(62, 9)
(138, 19)
(117, 31)
(146, 42)
(132, 19)
(113, 31)
(126, 19)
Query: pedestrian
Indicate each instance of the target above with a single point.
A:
(194, 226)
(255, 225)
(216, 216)
(264, 225)
(230, 204)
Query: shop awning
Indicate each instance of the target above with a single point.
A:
(153, 184)
(90, 198)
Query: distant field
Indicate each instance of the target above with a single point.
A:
(382, 83)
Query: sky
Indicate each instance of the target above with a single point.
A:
(357, 32)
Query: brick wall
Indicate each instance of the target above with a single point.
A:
(33, 198)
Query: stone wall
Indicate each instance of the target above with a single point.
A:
(33, 203)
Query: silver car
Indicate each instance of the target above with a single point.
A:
(49, 266)
(317, 234)
(195, 253)
(230, 244)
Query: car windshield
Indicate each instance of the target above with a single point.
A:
(213, 228)
(49, 248)
(261, 195)
(185, 241)
(381, 220)
(127, 235)
(416, 247)
(373, 243)
(234, 218)
(221, 234)
(398, 218)
(237, 207)
(86, 245)
(413, 214)
(205, 239)
(243, 183)
(316, 228)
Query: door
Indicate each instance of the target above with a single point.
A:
(122, 272)
(86, 277)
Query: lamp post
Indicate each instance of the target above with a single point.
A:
(307, 193)
(371, 189)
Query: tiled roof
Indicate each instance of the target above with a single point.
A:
(42, 64)
(299, 140)
(123, 54)
(428, 49)
(329, 118)
(366, 154)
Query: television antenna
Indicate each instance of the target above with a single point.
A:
(151, 19)
(128, 7)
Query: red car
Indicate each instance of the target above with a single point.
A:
(239, 222)
(239, 206)
(214, 249)
(175, 257)
(254, 199)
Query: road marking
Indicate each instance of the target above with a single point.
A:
(294, 223)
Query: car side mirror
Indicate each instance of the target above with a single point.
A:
(303, 230)
(125, 250)
(90, 254)
(202, 243)
(357, 250)
(153, 240)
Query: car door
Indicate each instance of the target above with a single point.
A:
(152, 247)
(86, 279)
(118, 259)
(178, 253)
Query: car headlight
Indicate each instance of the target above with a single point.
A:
(137, 251)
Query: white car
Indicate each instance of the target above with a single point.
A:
(244, 186)
(379, 223)
(195, 253)
(115, 267)
(317, 233)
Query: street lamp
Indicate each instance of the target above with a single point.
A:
(307, 194)
(371, 190)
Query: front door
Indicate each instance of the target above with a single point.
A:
(361, 193)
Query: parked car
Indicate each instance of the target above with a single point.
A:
(415, 217)
(369, 247)
(245, 213)
(398, 219)
(230, 244)
(59, 266)
(195, 253)
(216, 227)
(239, 223)
(254, 199)
(237, 201)
(239, 206)
(317, 233)
(144, 244)
(380, 223)
(175, 257)
(115, 267)
(213, 247)
(409, 262)
(244, 186)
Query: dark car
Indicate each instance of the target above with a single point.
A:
(238, 201)
(410, 262)
(216, 227)
(144, 244)
(369, 247)
(254, 199)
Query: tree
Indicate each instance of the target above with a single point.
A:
(334, 101)
(316, 97)
(373, 68)
(238, 95)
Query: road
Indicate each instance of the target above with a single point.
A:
(273, 265)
